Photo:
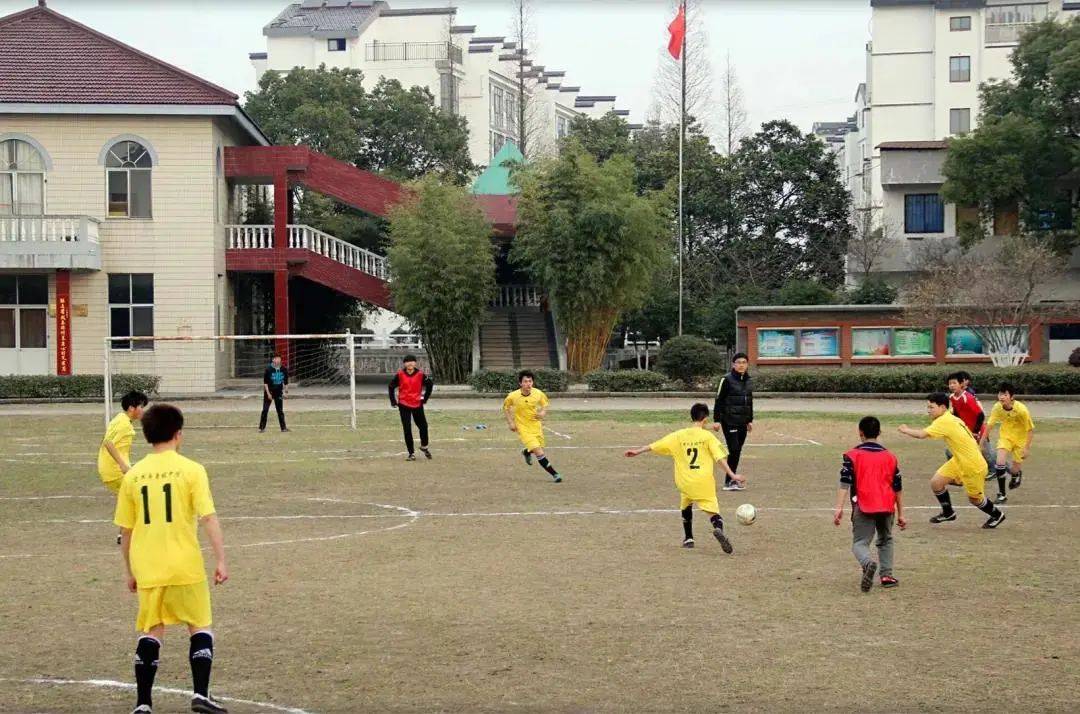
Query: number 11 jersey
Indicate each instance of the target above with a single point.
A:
(160, 500)
(694, 452)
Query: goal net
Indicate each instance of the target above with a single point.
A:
(223, 375)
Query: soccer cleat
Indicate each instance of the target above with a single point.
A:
(725, 544)
(888, 581)
(868, 572)
(733, 486)
(1001, 498)
(262, 431)
(943, 517)
(993, 522)
(286, 429)
(142, 709)
(688, 543)
(1014, 482)
(206, 705)
(556, 478)
(411, 457)
(118, 536)
(426, 452)
(528, 456)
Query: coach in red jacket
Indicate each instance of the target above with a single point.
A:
(413, 390)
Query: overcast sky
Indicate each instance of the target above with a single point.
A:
(799, 59)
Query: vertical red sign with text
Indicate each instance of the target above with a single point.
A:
(63, 323)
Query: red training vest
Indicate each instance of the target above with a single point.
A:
(874, 469)
(410, 388)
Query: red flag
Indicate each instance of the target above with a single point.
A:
(677, 28)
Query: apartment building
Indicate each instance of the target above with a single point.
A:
(470, 74)
(925, 62)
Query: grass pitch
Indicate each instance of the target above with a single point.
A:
(472, 583)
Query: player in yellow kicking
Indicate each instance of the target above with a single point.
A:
(967, 467)
(114, 455)
(525, 408)
(161, 497)
(694, 451)
(1014, 439)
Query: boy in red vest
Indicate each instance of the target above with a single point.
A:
(870, 476)
(413, 390)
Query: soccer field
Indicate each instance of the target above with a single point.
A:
(361, 582)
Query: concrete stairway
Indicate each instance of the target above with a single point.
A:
(517, 337)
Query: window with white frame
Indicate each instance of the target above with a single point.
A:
(128, 166)
(504, 109)
(562, 126)
(959, 121)
(131, 309)
(960, 69)
(960, 23)
(22, 179)
(1005, 23)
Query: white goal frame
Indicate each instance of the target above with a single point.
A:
(347, 337)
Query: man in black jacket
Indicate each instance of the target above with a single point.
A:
(275, 388)
(733, 412)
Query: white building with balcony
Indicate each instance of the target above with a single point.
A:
(473, 75)
(925, 62)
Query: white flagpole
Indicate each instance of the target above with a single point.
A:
(682, 135)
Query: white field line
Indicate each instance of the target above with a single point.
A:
(810, 442)
(557, 433)
(110, 684)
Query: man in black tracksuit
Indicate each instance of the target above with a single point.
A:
(733, 412)
(275, 386)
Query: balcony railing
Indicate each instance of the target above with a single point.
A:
(50, 242)
(49, 229)
(408, 51)
(517, 296)
(308, 238)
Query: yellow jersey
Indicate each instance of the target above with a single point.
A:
(694, 451)
(524, 408)
(120, 434)
(160, 500)
(959, 440)
(1016, 423)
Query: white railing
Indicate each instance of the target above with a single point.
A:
(395, 341)
(517, 296)
(308, 238)
(48, 229)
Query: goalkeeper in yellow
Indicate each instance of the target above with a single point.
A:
(694, 451)
(1014, 438)
(524, 409)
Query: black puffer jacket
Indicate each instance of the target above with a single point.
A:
(735, 399)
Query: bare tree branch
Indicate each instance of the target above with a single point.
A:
(733, 117)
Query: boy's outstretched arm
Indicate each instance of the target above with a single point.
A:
(638, 451)
(914, 433)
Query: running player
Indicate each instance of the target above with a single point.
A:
(160, 499)
(1014, 439)
(965, 404)
(413, 389)
(694, 451)
(525, 408)
(114, 455)
(966, 467)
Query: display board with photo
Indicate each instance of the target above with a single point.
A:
(798, 343)
(960, 341)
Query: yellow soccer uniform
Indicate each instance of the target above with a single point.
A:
(120, 434)
(694, 451)
(524, 408)
(1016, 424)
(967, 465)
(160, 500)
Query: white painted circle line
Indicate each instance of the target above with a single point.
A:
(112, 684)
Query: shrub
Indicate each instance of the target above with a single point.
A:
(547, 380)
(79, 386)
(688, 358)
(1074, 358)
(625, 380)
(1029, 379)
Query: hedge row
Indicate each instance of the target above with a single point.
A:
(1029, 379)
(74, 387)
(625, 380)
(547, 380)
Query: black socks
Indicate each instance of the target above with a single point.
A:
(945, 501)
(543, 461)
(146, 664)
(202, 657)
(989, 508)
(717, 521)
(688, 523)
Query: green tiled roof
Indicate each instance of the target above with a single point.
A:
(495, 181)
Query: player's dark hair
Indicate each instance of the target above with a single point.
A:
(870, 427)
(699, 411)
(958, 376)
(408, 358)
(965, 376)
(740, 355)
(1007, 387)
(525, 373)
(134, 399)
(939, 398)
(161, 423)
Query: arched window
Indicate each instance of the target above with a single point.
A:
(22, 179)
(127, 171)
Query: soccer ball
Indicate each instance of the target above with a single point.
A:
(746, 514)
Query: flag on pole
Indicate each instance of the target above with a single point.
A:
(677, 28)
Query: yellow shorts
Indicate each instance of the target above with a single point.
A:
(973, 481)
(113, 485)
(174, 605)
(531, 439)
(1016, 451)
(709, 505)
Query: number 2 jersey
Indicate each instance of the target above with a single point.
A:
(694, 451)
(161, 499)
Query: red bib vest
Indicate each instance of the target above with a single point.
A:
(410, 388)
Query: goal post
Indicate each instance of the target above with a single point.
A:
(321, 368)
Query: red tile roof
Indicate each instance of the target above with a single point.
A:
(48, 58)
(501, 211)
